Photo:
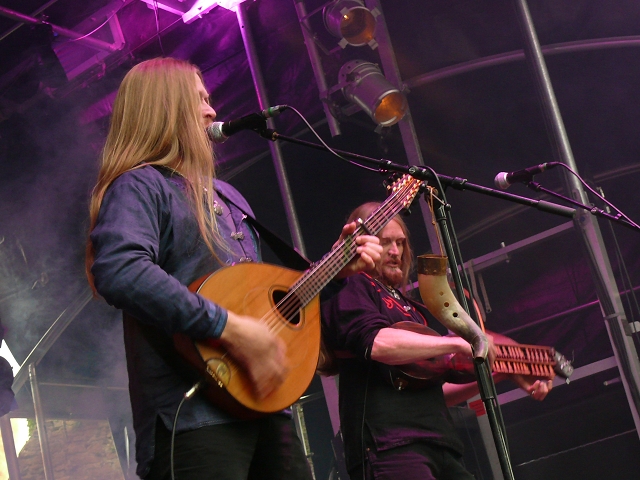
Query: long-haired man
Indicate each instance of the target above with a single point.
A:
(159, 221)
(393, 433)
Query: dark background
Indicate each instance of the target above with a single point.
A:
(472, 125)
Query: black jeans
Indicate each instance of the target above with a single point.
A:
(417, 461)
(265, 449)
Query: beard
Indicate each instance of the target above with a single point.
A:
(391, 274)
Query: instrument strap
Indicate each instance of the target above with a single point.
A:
(288, 255)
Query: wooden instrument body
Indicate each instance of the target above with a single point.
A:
(249, 289)
(287, 301)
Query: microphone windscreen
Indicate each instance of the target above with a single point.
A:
(215, 133)
(501, 181)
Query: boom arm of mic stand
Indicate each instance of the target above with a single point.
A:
(462, 184)
(425, 174)
(535, 186)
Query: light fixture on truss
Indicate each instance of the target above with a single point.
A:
(352, 22)
(364, 85)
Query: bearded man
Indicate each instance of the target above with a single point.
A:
(392, 434)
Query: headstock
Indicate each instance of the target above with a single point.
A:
(408, 186)
(563, 367)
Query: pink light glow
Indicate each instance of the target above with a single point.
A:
(202, 7)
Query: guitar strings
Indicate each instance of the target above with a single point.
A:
(309, 284)
(307, 287)
(301, 292)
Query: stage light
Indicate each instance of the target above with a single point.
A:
(364, 84)
(352, 22)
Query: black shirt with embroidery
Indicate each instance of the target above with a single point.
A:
(351, 319)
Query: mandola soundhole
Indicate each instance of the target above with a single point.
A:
(288, 307)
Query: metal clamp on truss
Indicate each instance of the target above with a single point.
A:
(631, 328)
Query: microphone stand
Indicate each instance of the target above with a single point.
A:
(486, 385)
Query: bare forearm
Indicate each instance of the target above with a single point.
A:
(455, 393)
(458, 393)
(396, 347)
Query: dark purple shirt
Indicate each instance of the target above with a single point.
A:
(351, 320)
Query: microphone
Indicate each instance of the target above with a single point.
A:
(504, 180)
(219, 132)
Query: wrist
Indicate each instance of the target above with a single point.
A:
(464, 347)
(231, 329)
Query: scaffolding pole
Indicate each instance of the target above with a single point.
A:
(586, 224)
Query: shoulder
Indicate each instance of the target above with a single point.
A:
(361, 280)
(141, 186)
(233, 194)
(147, 177)
(360, 284)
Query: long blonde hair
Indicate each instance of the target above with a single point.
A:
(157, 120)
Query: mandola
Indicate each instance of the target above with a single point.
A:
(538, 361)
(287, 302)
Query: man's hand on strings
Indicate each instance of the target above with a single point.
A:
(258, 350)
(536, 388)
(368, 252)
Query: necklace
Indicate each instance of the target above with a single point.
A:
(395, 294)
(392, 291)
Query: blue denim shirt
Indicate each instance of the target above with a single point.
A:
(147, 251)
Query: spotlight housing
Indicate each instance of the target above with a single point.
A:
(364, 85)
(352, 22)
